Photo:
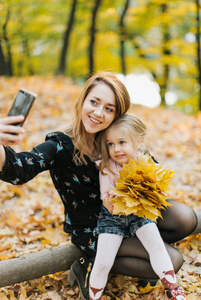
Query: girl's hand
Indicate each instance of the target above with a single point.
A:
(108, 205)
(11, 134)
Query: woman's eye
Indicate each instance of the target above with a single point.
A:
(109, 109)
(93, 102)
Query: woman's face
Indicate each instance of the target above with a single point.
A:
(99, 108)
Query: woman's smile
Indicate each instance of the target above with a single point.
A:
(93, 120)
(99, 109)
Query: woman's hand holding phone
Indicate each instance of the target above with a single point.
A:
(9, 133)
(11, 127)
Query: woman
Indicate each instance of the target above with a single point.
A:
(71, 157)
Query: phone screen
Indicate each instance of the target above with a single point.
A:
(22, 104)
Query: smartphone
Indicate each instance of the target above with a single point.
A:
(22, 104)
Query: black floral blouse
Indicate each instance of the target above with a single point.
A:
(78, 186)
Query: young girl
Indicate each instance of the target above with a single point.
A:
(120, 143)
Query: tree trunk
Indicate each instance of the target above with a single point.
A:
(3, 68)
(8, 46)
(92, 35)
(198, 50)
(165, 51)
(36, 265)
(122, 38)
(64, 52)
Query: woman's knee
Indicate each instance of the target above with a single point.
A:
(176, 257)
(178, 217)
(177, 261)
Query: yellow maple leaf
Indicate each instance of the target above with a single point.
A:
(141, 188)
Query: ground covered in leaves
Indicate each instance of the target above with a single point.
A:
(32, 215)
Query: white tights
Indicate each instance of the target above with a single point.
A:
(108, 246)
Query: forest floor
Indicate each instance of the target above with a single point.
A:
(32, 215)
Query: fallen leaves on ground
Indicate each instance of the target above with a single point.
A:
(32, 214)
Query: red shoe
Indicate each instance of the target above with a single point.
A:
(176, 294)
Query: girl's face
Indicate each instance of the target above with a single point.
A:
(99, 108)
(120, 146)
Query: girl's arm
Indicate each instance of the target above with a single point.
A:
(9, 135)
(106, 183)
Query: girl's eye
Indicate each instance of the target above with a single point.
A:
(110, 144)
(122, 142)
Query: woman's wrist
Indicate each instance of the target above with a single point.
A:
(2, 157)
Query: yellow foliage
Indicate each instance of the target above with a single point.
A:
(148, 288)
(141, 189)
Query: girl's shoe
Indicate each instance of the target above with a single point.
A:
(93, 292)
(176, 294)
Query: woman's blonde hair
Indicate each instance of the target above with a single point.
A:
(76, 130)
(132, 126)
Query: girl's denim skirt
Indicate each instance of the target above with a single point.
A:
(120, 225)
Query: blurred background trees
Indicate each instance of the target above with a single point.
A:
(76, 38)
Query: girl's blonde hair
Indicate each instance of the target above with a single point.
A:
(132, 126)
(76, 130)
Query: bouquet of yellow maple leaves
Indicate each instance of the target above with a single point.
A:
(142, 188)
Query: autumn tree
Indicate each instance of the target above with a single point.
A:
(166, 53)
(92, 34)
(6, 59)
(3, 64)
(198, 49)
(66, 40)
(123, 37)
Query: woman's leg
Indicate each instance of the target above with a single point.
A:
(179, 221)
(133, 260)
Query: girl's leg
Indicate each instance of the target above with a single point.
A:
(159, 259)
(133, 260)
(107, 247)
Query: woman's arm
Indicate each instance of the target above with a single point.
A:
(9, 135)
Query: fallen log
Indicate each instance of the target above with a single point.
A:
(45, 262)
(36, 265)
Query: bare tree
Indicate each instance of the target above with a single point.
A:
(166, 51)
(123, 37)
(92, 37)
(66, 39)
(198, 49)
(6, 63)
(3, 65)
